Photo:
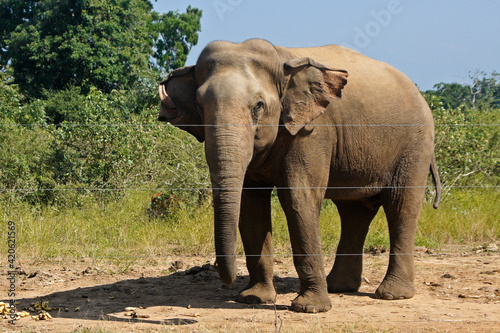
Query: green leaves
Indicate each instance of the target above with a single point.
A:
(107, 44)
(467, 118)
(483, 92)
(174, 35)
(467, 144)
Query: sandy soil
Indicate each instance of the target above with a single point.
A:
(457, 292)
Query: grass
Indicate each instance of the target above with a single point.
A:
(123, 231)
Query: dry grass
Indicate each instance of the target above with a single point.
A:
(123, 230)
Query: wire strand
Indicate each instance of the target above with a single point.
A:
(240, 125)
(239, 188)
(282, 255)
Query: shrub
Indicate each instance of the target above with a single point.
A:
(467, 145)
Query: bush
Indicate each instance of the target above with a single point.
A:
(24, 171)
(99, 146)
(467, 145)
(107, 148)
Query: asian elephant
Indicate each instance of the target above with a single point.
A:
(286, 118)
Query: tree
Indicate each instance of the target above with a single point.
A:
(452, 95)
(483, 92)
(107, 44)
(174, 35)
(12, 14)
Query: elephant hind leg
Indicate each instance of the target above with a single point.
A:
(402, 217)
(345, 275)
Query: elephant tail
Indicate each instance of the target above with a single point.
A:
(437, 181)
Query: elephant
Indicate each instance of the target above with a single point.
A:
(313, 123)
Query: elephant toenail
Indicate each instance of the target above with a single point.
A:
(311, 309)
(389, 296)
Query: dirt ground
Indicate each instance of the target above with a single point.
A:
(458, 292)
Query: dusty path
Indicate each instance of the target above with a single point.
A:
(456, 293)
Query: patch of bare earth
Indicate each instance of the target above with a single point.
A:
(456, 293)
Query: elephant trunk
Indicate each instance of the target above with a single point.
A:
(228, 151)
(226, 206)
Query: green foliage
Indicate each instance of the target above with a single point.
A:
(89, 67)
(82, 43)
(483, 92)
(174, 35)
(106, 148)
(13, 110)
(107, 44)
(467, 144)
(24, 171)
(99, 142)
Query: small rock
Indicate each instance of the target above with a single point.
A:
(448, 276)
(366, 280)
(87, 270)
(177, 265)
(492, 247)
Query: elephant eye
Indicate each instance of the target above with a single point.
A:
(257, 108)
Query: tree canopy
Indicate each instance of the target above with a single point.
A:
(107, 44)
(484, 91)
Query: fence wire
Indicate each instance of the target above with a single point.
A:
(208, 188)
(244, 125)
(276, 255)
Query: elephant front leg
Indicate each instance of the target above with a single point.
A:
(302, 209)
(256, 234)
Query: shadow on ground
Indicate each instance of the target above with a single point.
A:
(196, 288)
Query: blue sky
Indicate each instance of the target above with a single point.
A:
(430, 41)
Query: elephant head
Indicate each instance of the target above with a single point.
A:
(235, 99)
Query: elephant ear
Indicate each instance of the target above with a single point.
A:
(310, 88)
(178, 102)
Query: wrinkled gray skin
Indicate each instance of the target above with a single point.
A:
(281, 117)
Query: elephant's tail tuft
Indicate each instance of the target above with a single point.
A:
(437, 181)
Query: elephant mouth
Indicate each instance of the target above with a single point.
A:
(167, 119)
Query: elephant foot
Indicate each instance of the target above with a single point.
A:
(342, 284)
(257, 293)
(393, 290)
(312, 302)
